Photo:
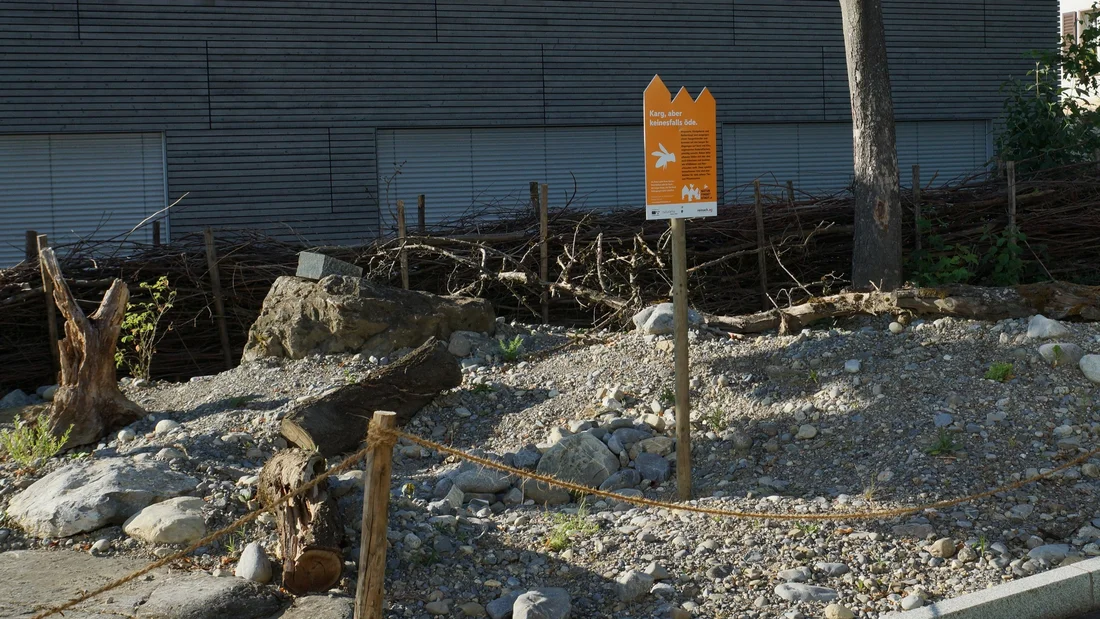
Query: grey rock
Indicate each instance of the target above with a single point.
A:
(174, 521)
(1061, 353)
(89, 495)
(201, 596)
(438, 608)
(501, 608)
(798, 592)
(806, 432)
(911, 602)
(49, 392)
(658, 319)
(580, 458)
(918, 531)
(853, 366)
(832, 569)
(1090, 367)
(16, 399)
(653, 467)
(462, 343)
(480, 480)
(320, 607)
(544, 494)
(527, 458)
(312, 265)
(657, 571)
(632, 584)
(942, 420)
(254, 564)
(543, 603)
(164, 426)
(943, 548)
(798, 574)
(625, 478)
(1051, 553)
(342, 314)
(1021, 512)
(1042, 328)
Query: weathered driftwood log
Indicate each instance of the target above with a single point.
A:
(88, 399)
(337, 422)
(1058, 300)
(310, 533)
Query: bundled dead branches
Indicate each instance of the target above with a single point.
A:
(603, 265)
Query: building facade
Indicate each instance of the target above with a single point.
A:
(310, 119)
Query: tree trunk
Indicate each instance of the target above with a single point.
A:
(876, 252)
(1058, 300)
(337, 422)
(309, 532)
(88, 399)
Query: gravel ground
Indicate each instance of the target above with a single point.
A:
(845, 417)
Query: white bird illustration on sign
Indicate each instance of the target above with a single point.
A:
(663, 156)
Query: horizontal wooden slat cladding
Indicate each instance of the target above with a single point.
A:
(252, 179)
(646, 23)
(1021, 25)
(20, 19)
(249, 20)
(66, 85)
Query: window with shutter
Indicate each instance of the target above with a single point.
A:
(1069, 29)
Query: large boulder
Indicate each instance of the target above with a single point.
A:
(341, 314)
(580, 458)
(86, 496)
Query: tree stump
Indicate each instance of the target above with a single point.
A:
(88, 398)
(337, 422)
(309, 530)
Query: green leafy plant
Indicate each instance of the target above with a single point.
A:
(31, 444)
(481, 388)
(566, 525)
(1059, 355)
(944, 445)
(1004, 259)
(140, 334)
(939, 263)
(510, 349)
(241, 400)
(807, 528)
(815, 378)
(668, 396)
(715, 420)
(1000, 372)
(349, 377)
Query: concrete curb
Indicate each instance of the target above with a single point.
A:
(1061, 593)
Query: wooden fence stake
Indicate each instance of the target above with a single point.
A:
(761, 259)
(421, 215)
(156, 234)
(401, 235)
(1010, 168)
(51, 306)
(376, 508)
(30, 249)
(916, 204)
(219, 304)
(680, 352)
(544, 249)
(790, 192)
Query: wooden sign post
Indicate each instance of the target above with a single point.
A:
(681, 179)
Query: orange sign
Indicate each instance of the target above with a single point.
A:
(681, 175)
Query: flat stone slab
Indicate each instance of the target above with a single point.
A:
(312, 265)
(33, 580)
(202, 596)
(319, 607)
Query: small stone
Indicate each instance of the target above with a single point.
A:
(175, 521)
(1042, 328)
(16, 398)
(1090, 367)
(1090, 470)
(412, 541)
(653, 467)
(101, 546)
(1021, 512)
(437, 608)
(942, 420)
(543, 603)
(836, 611)
(798, 592)
(806, 432)
(1051, 553)
(853, 366)
(896, 327)
(798, 574)
(632, 585)
(527, 458)
(943, 548)
(832, 569)
(911, 602)
(254, 564)
(657, 571)
(472, 609)
(164, 426)
(126, 435)
(501, 608)
(168, 454)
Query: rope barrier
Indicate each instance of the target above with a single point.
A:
(379, 437)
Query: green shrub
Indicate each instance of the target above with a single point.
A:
(139, 328)
(510, 349)
(31, 444)
(1000, 372)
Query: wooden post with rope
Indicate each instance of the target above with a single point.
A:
(376, 506)
(680, 343)
(51, 305)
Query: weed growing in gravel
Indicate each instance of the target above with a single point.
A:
(240, 400)
(870, 491)
(234, 543)
(668, 396)
(350, 378)
(944, 445)
(1000, 372)
(807, 528)
(1059, 355)
(139, 328)
(815, 378)
(481, 388)
(510, 349)
(715, 420)
(31, 444)
(982, 545)
(565, 525)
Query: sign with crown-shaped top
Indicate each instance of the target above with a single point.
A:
(681, 175)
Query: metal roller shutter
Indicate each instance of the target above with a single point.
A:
(76, 186)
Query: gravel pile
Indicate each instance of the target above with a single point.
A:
(865, 414)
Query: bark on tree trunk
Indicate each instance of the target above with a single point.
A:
(310, 533)
(1058, 300)
(876, 254)
(88, 398)
(337, 422)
